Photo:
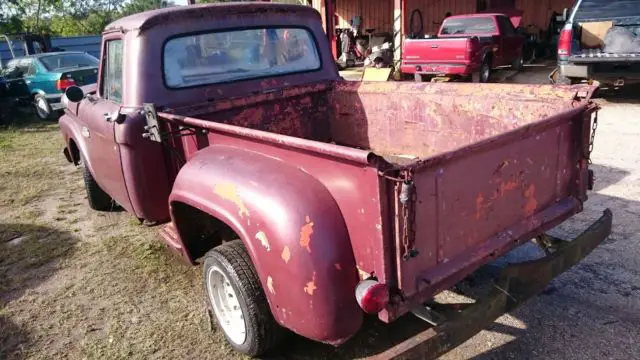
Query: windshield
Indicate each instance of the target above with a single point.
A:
(609, 10)
(54, 62)
(469, 26)
(238, 55)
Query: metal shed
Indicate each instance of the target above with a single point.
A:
(394, 15)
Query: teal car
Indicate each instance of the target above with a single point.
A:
(47, 75)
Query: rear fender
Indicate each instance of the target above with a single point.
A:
(293, 230)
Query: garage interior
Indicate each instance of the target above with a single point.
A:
(394, 16)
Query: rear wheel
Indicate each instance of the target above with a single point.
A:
(42, 108)
(236, 298)
(97, 198)
(484, 74)
(518, 63)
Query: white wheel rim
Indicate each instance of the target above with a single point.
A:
(485, 73)
(226, 305)
(42, 107)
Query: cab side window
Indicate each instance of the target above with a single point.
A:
(111, 86)
(506, 27)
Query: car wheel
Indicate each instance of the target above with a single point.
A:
(236, 298)
(42, 108)
(97, 198)
(417, 78)
(518, 63)
(484, 74)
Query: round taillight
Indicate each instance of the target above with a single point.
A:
(372, 296)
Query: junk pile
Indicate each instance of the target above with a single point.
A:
(621, 40)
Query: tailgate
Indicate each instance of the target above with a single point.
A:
(476, 203)
(433, 51)
(82, 76)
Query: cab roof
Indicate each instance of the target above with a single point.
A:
(148, 19)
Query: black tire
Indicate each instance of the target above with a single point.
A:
(518, 63)
(43, 109)
(484, 74)
(97, 198)
(263, 334)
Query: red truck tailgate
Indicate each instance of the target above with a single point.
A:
(434, 51)
(488, 179)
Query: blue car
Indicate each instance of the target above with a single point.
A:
(48, 74)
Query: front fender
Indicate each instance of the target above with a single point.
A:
(293, 230)
(72, 130)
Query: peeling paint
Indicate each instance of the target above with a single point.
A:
(270, 285)
(363, 274)
(262, 237)
(532, 204)
(311, 285)
(479, 205)
(305, 234)
(286, 254)
(229, 191)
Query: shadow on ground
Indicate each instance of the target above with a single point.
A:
(30, 255)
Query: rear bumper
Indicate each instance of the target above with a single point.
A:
(516, 284)
(438, 69)
(599, 70)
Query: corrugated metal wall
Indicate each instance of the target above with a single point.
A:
(538, 12)
(376, 14)
(433, 11)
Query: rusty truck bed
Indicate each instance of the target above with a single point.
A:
(433, 180)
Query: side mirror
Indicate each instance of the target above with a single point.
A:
(74, 94)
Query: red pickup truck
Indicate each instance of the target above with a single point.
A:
(466, 47)
(311, 201)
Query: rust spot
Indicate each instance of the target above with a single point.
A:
(286, 255)
(311, 285)
(262, 237)
(270, 285)
(479, 206)
(229, 191)
(532, 204)
(338, 266)
(305, 234)
(363, 274)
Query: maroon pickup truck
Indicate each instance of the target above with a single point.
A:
(311, 201)
(466, 47)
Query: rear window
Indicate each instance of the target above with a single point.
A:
(468, 26)
(591, 10)
(62, 61)
(219, 57)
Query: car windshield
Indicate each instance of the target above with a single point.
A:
(54, 62)
(626, 11)
(468, 26)
(238, 55)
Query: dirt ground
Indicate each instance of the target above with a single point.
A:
(78, 284)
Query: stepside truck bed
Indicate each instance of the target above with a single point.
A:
(483, 176)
